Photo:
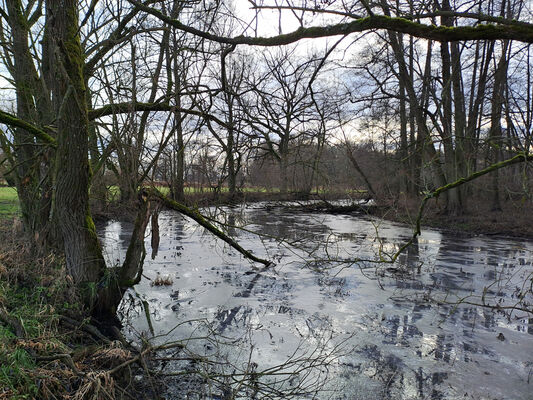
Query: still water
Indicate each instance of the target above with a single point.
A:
(326, 321)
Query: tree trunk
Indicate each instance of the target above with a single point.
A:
(495, 134)
(83, 255)
(178, 177)
(424, 139)
(453, 204)
(407, 184)
(284, 173)
(32, 106)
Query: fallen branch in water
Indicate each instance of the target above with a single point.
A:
(200, 219)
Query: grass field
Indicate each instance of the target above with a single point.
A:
(9, 203)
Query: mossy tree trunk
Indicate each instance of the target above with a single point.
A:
(101, 288)
(83, 255)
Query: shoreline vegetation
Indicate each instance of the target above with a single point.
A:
(515, 219)
(49, 351)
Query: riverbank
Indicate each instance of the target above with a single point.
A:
(119, 211)
(515, 220)
(48, 348)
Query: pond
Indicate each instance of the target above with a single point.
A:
(325, 321)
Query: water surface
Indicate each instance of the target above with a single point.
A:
(359, 330)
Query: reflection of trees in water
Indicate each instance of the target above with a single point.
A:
(456, 268)
(411, 257)
(233, 316)
(287, 227)
(396, 379)
(226, 317)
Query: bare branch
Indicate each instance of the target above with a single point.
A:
(522, 32)
(199, 218)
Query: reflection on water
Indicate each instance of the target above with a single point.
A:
(410, 332)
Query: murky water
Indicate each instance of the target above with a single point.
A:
(352, 330)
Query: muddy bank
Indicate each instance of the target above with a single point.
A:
(514, 220)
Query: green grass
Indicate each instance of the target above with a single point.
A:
(16, 364)
(114, 191)
(9, 203)
(31, 307)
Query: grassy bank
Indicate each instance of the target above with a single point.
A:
(46, 351)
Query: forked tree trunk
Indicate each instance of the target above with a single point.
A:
(102, 289)
(32, 106)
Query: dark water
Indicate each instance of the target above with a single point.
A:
(353, 330)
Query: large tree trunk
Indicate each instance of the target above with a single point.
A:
(101, 289)
(62, 210)
(83, 255)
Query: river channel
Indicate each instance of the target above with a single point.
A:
(325, 321)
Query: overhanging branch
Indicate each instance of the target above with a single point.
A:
(519, 158)
(128, 107)
(199, 218)
(522, 32)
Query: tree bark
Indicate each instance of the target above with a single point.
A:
(32, 106)
(83, 255)
(495, 134)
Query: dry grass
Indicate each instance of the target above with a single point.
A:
(96, 385)
(40, 357)
(162, 280)
(111, 356)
